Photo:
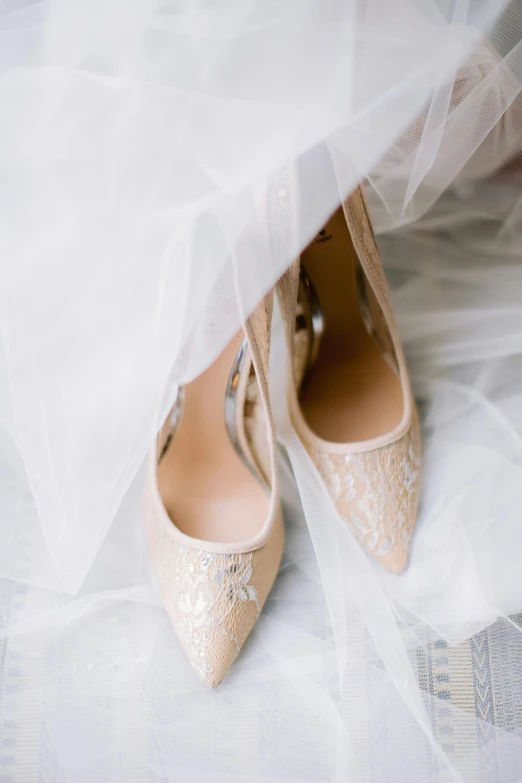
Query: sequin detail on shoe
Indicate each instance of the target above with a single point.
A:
(376, 493)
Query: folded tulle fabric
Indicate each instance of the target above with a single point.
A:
(137, 149)
(146, 207)
(351, 673)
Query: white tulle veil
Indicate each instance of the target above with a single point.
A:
(142, 148)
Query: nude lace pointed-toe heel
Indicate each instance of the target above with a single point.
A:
(350, 399)
(213, 517)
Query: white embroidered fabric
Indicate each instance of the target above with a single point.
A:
(138, 147)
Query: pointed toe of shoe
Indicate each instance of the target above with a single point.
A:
(214, 598)
(213, 603)
(211, 662)
(212, 636)
(397, 558)
(376, 494)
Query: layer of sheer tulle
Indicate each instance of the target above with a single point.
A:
(138, 157)
(138, 154)
(351, 673)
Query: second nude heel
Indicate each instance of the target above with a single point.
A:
(349, 395)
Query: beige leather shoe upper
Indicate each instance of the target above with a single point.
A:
(213, 592)
(375, 483)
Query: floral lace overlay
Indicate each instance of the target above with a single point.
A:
(211, 601)
(376, 494)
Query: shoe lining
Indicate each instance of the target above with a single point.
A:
(207, 489)
(352, 392)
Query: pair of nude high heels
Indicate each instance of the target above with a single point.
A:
(213, 516)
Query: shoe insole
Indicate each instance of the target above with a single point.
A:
(208, 491)
(350, 394)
